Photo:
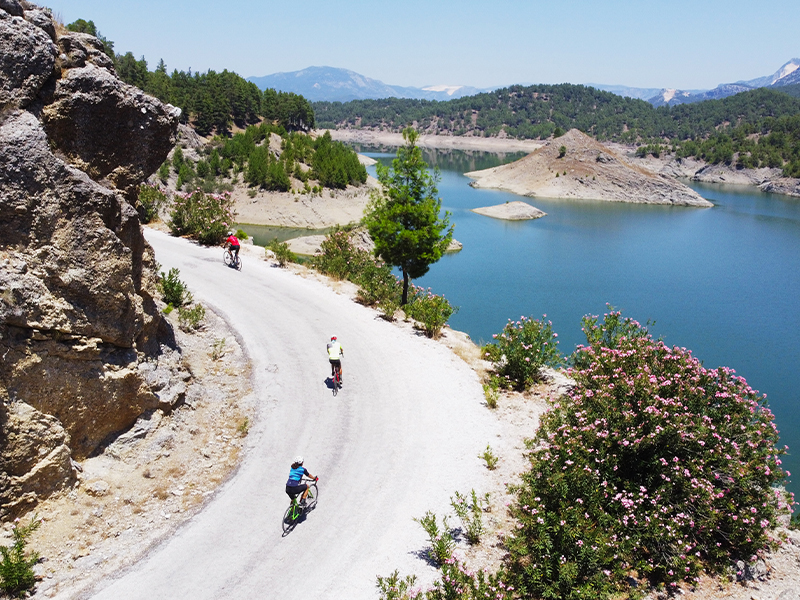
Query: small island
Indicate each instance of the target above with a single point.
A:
(511, 211)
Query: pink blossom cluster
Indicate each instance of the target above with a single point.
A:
(653, 461)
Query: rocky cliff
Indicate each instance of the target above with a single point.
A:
(81, 338)
(577, 166)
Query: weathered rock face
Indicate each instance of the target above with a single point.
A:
(585, 169)
(78, 317)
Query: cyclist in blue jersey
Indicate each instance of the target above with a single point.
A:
(295, 485)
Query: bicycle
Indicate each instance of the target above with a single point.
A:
(297, 511)
(337, 378)
(232, 260)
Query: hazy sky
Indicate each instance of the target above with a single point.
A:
(643, 43)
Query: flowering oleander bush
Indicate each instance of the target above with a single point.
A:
(204, 217)
(151, 199)
(430, 310)
(652, 466)
(521, 350)
(470, 511)
(441, 538)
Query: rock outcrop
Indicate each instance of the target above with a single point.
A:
(576, 166)
(78, 315)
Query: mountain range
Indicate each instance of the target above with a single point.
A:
(342, 85)
(332, 84)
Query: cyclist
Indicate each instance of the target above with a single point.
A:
(335, 353)
(233, 243)
(295, 485)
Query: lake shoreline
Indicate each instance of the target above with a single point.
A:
(769, 180)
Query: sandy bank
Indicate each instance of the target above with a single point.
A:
(385, 138)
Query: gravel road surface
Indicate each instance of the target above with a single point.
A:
(402, 435)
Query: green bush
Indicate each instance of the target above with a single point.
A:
(471, 514)
(191, 318)
(652, 466)
(339, 258)
(442, 542)
(378, 285)
(282, 252)
(173, 290)
(394, 588)
(521, 350)
(151, 200)
(16, 567)
(201, 216)
(430, 310)
(489, 457)
(242, 234)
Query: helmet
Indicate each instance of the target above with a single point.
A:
(298, 460)
(230, 233)
(333, 337)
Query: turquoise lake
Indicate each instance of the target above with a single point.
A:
(722, 281)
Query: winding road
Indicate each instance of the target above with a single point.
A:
(402, 435)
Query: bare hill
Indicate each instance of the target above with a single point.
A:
(577, 166)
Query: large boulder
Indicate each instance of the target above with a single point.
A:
(27, 60)
(78, 314)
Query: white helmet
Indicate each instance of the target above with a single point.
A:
(298, 460)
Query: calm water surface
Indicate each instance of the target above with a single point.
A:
(723, 281)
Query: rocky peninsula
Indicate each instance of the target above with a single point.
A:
(575, 166)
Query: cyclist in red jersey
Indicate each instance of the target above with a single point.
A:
(233, 243)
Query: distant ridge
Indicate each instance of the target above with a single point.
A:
(332, 84)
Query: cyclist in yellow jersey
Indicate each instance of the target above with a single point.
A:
(335, 353)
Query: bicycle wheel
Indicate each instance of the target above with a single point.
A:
(238, 264)
(335, 383)
(227, 258)
(291, 516)
(311, 499)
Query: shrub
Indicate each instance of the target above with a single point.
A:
(242, 234)
(16, 567)
(441, 540)
(460, 583)
(489, 457)
(282, 252)
(339, 258)
(522, 349)
(430, 310)
(394, 588)
(151, 200)
(491, 393)
(217, 349)
(471, 514)
(190, 319)
(204, 217)
(173, 290)
(652, 465)
(562, 151)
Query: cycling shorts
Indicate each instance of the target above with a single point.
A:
(295, 490)
(336, 362)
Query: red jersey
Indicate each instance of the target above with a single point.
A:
(233, 241)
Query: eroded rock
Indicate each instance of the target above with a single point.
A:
(78, 314)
